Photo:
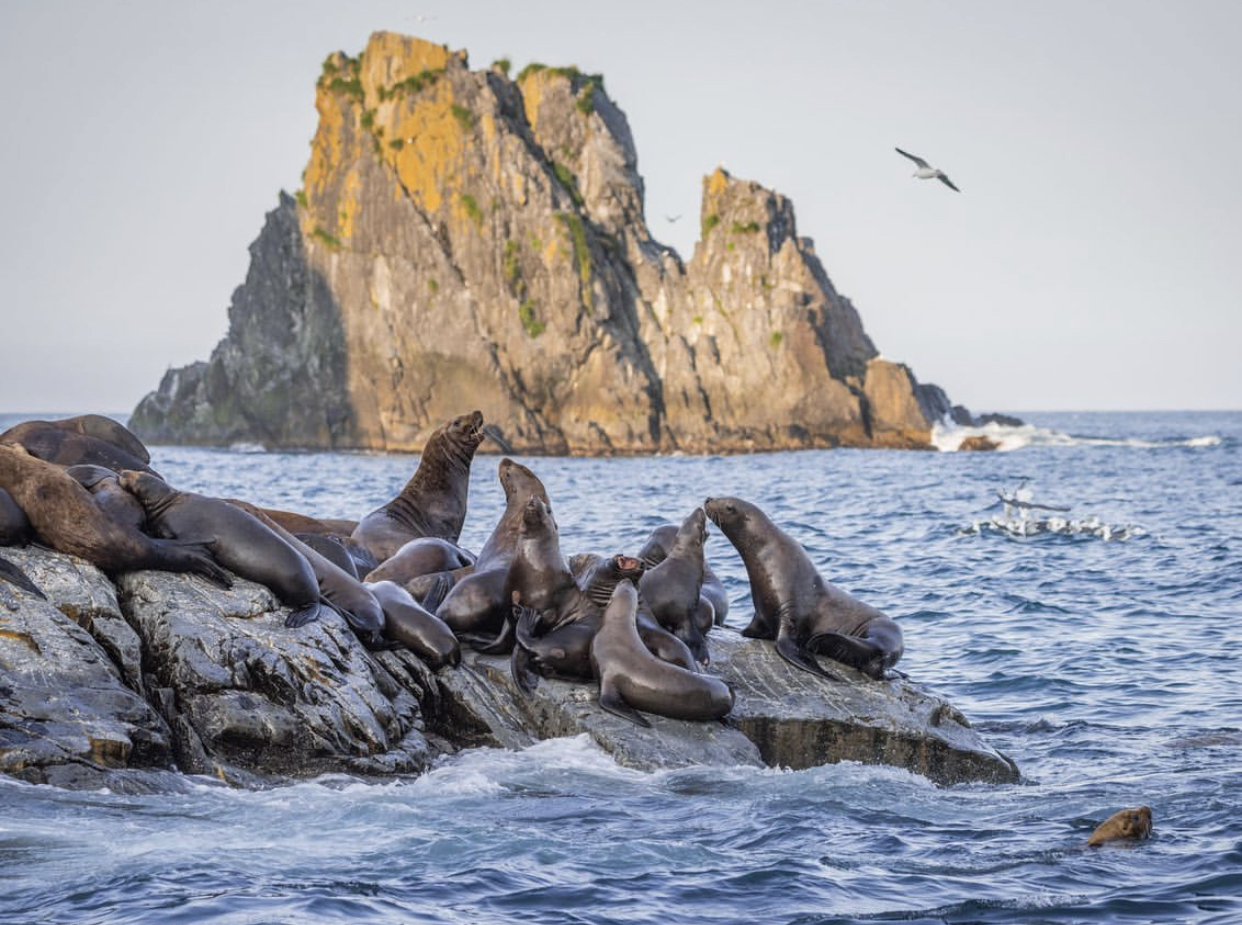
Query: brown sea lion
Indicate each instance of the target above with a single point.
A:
(240, 542)
(407, 622)
(632, 679)
(433, 501)
(795, 606)
(671, 589)
(423, 556)
(105, 487)
(14, 524)
(301, 523)
(477, 603)
(89, 439)
(1129, 824)
(656, 548)
(65, 517)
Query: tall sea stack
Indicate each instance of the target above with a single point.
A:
(463, 240)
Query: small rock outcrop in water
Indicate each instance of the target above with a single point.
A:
(165, 671)
(463, 239)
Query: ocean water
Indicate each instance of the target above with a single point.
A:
(1108, 664)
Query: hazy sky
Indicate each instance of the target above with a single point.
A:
(1093, 259)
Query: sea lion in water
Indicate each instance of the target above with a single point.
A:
(433, 501)
(65, 517)
(14, 524)
(90, 439)
(632, 679)
(423, 556)
(795, 606)
(409, 623)
(477, 603)
(1131, 824)
(105, 487)
(654, 551)
(240, 542)
(671, 589)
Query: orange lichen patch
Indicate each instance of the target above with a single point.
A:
(718, 182)
(433, 143)
(349, 204)
(24, 639)
(534, 86)
(109, 752)
(390, 58)
(328, 152)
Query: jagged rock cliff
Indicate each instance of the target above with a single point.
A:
(464, 240)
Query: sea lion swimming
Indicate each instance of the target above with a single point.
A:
(671, 589)
(1127, 824)
(240, 542)
(90, 439)
(64, 516)
(632, 679)
(795, 606)
(433, 501)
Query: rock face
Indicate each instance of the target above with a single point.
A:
(164, 671)
(464, 240)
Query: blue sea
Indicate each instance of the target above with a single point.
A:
(1101, 648)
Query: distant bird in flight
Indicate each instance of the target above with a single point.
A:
(671, 218)
(928, 172)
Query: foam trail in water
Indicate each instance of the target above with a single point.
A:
(949, 438)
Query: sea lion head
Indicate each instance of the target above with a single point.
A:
(147, 488)
(624, 602)
(693, 532)
(519, 482)
(1134, 824)
(466, 430)
(627, 568)
(537, 519)
(731, 515)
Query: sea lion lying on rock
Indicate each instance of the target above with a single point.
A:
(64, 516)
(795, 606)
(90, 439)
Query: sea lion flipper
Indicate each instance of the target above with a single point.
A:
(303, 615)
(14, 575)
(789, 650)
(503, 643)
(520, 666)
(438, 591)
(610, 699)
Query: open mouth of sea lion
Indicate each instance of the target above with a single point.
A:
(626, 564)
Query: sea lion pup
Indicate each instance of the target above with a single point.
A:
(64, 516)
(477, 604)
(1132, 824)
(13, 574)
(671, 589)
(795, 606)
(14, 524)
(240, 542)
(654, 551)
(105, 487)
(632, 679)
(407, 622)
(89, 439)
(433, 501)
(423, 556)
(343, 592)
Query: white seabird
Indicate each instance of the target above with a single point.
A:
(927, 172)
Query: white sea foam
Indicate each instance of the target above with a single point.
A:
(948, 438)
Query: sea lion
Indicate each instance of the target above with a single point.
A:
(407, 622)
(654, 551)
(302, 523)
(88, 439)
(433, 501)
(105, 487)
(240, 542)
(671, 589)
(341, 590)
(423, 556)
(13, 574)
(1132, 824)
(14, 524)
(795, 606)
(477, 603)
(331, 548)
(65, 517)
(632, 679)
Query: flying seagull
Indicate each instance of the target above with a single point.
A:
(928, 172)
(671, 218)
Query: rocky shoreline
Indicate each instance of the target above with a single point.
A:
(164, 672)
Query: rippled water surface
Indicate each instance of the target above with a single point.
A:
(1109, 670)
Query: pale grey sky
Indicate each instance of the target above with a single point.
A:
(1092, 261)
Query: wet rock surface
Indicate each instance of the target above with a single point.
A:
(164, 672)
